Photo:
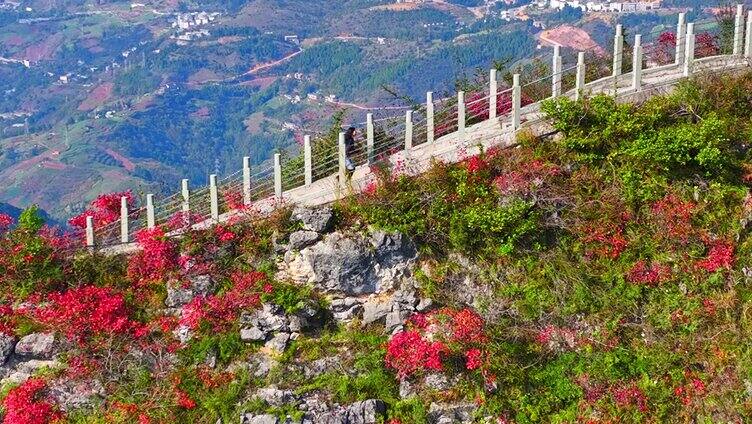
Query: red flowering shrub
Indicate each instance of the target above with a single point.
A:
(158, 256)
(85, 312)
(673, 218)
(184, 400)
(662, 51)
(651, 275)
(408, 352)
(8, 320)
(525, 177)
(104, 210)
(5, 222)
(476, 164)
(429, 338)
(687, 392)
(720, 256)
(26, 404)
(706, 44)
(629, 395)
(606, 242)
(220, 311)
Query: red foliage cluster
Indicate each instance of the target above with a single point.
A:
(104, 209)
(158, 256)
(706, 44)
(85, 312)
(224, 234)
(686, 392)
(521, 180)
(5, 222)
(26, 404)
(662, 51)
(221, 310)
(629, 395)
(720, 256)
(478, 104)
(674, 218)
(8, 320)
(649, 274)
(431, 337)
(184, 400)
(476, 164)
(608, 241)
(408, 352)
(234, 200)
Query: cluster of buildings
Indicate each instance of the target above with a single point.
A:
(185, 21)
(602, 6)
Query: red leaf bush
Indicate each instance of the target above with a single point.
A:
(157, 258)
(105, 209)
(430, 339)
(27, 404)
(85, 313)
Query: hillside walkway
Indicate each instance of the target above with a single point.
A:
(412, 142)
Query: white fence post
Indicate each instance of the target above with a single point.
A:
(369, 138)
(618, 50)
(89, 231)
(150, 221)
(213, 197)
(493, 89)
(516, 101)
(342, 157)
(556, 76)
(408, 130)
(123, 219)
(748, 37)
(308, 160)
(580, 80)
(461, 114)
(689, 60)
(637, 63)
(186, 196)
(278, 176)
(739, 29)
(247, 181)
(681, 36)
(430, 131)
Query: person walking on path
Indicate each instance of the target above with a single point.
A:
(350, 149)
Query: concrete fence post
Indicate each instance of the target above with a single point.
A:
(308, 160)
(90, 231)
(369, 138)
(150, 221)
(681, 36)
(637, 63)
(556, 73)
(739, 30)
(748, 37)
(430, 130)
(213, 197)
(618, 50)
(186, 196)
(461, 114)
(516, 101)
(493, 90)
(579, 87)
(342, 155)
(278, 176)
(247, 200)
(689, 59)
(123, 219)
(408, 130)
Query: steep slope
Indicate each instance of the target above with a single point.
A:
(596, 275)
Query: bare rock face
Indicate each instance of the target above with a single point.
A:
(71, 395)
(178, 295)
(352, 264)
(319, 220)
(37, 345)
(7, 344)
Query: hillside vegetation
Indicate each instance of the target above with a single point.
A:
(596, 275)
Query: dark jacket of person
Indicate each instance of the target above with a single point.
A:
(350, 142)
